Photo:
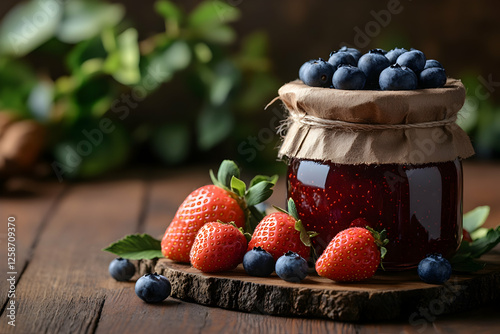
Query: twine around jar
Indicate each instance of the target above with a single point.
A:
(317, 122)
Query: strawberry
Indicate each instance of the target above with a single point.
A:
(226, 200)
(466, 235)
(218, 247)
(354, 254)
(280, 232)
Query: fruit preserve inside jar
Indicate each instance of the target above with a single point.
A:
(420, 206)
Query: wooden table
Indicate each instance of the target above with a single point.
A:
(63, 285)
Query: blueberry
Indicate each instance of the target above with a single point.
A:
(413, 59)
(318, 74)
(354, 52)
(153, 288)
(291, 267)
(433, 77)
(393, 54)
(372, 63)
(348, 77)
(303, 68)
(121, 269)
(432, 63)
(434, 269)
(340, 58)
(398, 77)
(378, 50)
(258, 262)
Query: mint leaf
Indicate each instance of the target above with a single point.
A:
(479, 233)
(481, 246)
(136, 247)
(474, 219)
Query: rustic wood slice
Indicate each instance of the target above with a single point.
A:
(387, 295)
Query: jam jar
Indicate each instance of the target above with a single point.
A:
(419, 206)
(386, 159)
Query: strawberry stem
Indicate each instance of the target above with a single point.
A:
(305, 236)
(261, 188)
(380, 240)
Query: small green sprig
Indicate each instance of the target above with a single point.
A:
(136, 247)
(483, 240)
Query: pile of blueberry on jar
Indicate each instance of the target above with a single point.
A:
(397, 69)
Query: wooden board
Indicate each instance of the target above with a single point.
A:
(387, 295)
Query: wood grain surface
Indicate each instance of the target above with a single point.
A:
(64, 285)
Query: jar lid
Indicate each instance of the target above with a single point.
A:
(374, 127)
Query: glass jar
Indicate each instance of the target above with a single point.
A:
(420, 206)
(392, 158)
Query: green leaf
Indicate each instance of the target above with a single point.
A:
(176, 57)
(16, 84)
(292, 209)
(259, 193)
(304, 236)
(28, 25)
(475, 219)
(128, 57)
(168, 10)
(227, 170)
(203, 52)
(238, 187)
(214, 179)
(214, 125)
(481, 246)
(85, 19)
(225, 79)
(172, 142)
(162, 65)
(463, 260)
(312, 234)
(479, 233)
(263, 178)
(212, 13)
(136, 247)
(383, 252)
(219, 35)
(84, 51)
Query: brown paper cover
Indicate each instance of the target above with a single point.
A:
(429, 133)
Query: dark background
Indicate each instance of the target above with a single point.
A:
(463, 35)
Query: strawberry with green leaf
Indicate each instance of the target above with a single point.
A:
(227, 200)
(280, 232)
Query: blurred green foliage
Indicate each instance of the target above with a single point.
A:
(480, 116)
(105, 60)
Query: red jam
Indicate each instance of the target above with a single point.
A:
(420, 206)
